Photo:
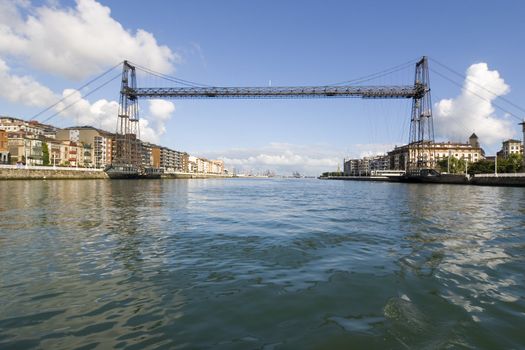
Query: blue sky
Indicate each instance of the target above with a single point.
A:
(288, 43)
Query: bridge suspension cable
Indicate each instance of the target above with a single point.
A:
(421, 127)
(473, 82)
(78, 90)
(193, 90)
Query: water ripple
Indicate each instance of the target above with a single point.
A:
(264, 264)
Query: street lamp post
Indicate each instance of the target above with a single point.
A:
(496, 165)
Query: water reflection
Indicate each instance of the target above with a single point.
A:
(464, 242)
(259, 263)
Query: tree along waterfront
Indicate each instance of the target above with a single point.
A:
(512, 164)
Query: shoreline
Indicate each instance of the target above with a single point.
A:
(50, 173)
(500, 180)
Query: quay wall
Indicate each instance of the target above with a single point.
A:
(50, 174)
(500, 180)
(515, 179)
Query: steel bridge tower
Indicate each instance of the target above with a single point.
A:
(421, 143)
(127, 139)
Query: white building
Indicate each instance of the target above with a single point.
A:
(509, 147)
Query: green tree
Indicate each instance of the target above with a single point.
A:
(481, 167)
(511, 164)
(456, 165)
(45, 154)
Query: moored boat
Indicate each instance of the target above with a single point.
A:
(429, 175)
(122, 172)
(151, 173)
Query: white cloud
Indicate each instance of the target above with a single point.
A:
(370, 149)
(282, 158)
(78, 110)
(23, 89)
(147, 133)
(161, 109)
(160, 112)
(101, 114)
(457, 118)
(76, 42)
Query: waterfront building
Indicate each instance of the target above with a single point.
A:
(74, 153)
(172, 160)
(68, 153)
(192, 164)
(216, 167)
(351, 167)
(97, 144)
(86, 146)
(366, 165)
(509, 147)
(363, 166)
(55, 152)
(4, 147)
(185, 162)
(379, 163)
(155, 156)
(167, 159)
(206, 166)
(469, 151)
(32, 127)
(179, 161)
(145, 150)
(203, 165)
(23, 149)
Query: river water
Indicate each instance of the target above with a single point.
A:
(260, 264)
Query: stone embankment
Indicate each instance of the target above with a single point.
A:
(49, 173)
(12, 172)
(517, 179)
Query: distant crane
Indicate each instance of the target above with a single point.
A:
(421, 122)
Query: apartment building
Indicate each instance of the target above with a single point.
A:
(366, 165)
(171, 160)
(216, 167)
(509, 147)
(24, 150)
(433, 152)
(97, 144)
(32, 127)
(4, 147)
(351, 167)
(155, 156)
(68, 153)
